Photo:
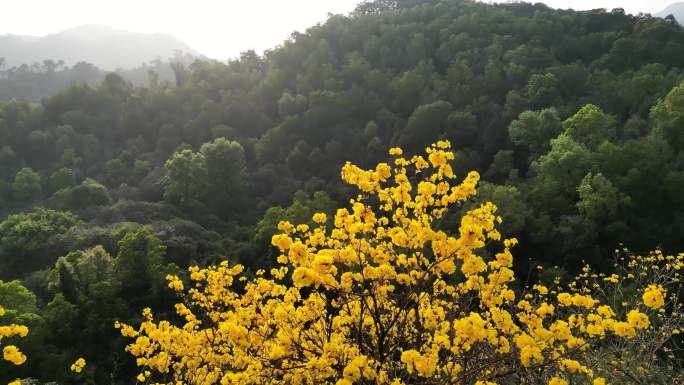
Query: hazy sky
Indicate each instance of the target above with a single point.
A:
(217, 28)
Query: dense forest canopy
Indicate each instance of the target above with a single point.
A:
(574, 120)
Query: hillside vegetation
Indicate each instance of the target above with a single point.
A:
(39, 80)
(573, 120)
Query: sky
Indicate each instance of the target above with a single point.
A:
(220, 29)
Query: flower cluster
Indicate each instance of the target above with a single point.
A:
(10, 352)
(386, 293)
(654, 297)
(78, 365)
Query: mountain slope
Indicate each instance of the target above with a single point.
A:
(675, 9)
(100, 45)
(565, 114)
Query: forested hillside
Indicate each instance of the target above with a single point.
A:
(573, 119)
(39, 80)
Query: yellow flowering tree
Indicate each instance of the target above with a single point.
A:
(385, 293)
(10, 352)
(649, 285)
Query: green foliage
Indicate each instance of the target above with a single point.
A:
(427, 121)
(18, 301)
(598, 198)
(35, 81)
(573, 119)
(33, 240)
(668, 116)
(138, 265)
(187, 177)
(225, 161)
(62, 178)
(590, 126)
(534, 130)
(559, 171)
(26, 185)
(88, 193)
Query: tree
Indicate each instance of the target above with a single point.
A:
(61, 317)
(668, 117)
(26, 185)
(8, 160)
(187, 177)
(20, 303)
(542, 90)
(226, 168)
(64, 280)
(502, 167)
(79, 317)
(85, 195)
(62, 178)
(138, 265)
(291, 105)
(559, 172)
(384, 295)
(74, 273)
(534, 130)
(464, 131)
(425, 123)
(590, 126)
(34, 240)
(598, 198)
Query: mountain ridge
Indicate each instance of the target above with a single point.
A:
(674, 9)
(104, 46)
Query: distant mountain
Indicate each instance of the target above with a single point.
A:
(103, 46)
(675, 9)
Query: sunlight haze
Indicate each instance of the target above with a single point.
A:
(218, 29)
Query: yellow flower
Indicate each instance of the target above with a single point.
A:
(541, 289)
(388, 273)
(638, 319)
(78, 365)
(282, 241)
(174, 283)
(320, 218)
(557, 381)
(624, 329)
(303, 276)
(12, 354)
(654, 297)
